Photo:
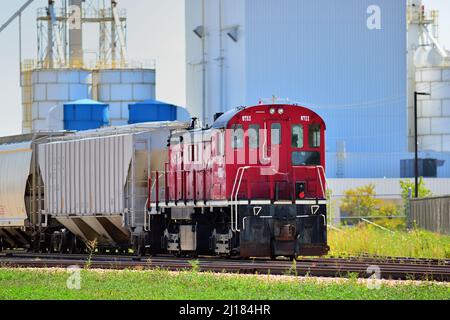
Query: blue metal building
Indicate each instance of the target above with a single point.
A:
(85, 114)
(345, 59)
(153, 110)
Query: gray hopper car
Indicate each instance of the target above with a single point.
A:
(58, 189)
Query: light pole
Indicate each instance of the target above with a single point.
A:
(416, 144)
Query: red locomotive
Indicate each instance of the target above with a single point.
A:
(252, 185)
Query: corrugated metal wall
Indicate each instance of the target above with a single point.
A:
(323, 54)
(432, 214)
(87, 176)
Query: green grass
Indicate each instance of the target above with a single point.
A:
(157, 284)
(371, 240)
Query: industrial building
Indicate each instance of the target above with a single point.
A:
(63, 72)
(358, 69)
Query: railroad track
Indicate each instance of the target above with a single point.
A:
(363, 267)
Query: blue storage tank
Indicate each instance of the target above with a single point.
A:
(154, 111)
(85, 114)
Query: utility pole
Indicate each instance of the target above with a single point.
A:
(416, 144)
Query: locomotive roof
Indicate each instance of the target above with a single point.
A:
(223, 120)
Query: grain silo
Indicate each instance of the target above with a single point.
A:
(434, 110)
(63, 73)
(51, 89)
(121, 87)
(432, 77)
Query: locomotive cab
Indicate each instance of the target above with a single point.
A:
(275, 165)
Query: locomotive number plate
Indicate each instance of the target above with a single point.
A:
(305, 118)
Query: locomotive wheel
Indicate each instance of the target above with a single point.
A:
(34, 243)
(56, 243)
(72, 244)
(45, 246)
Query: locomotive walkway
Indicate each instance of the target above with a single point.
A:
(385, 268)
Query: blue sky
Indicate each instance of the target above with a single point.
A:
(155, 31)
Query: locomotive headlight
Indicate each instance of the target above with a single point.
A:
(300, 190)
(280, 111)
(272, 111)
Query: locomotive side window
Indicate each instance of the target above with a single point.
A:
(253, 136)
(275, 133)
(314, 135)
(193, 155)
(220, 145)
(297, 136)
(237, 136)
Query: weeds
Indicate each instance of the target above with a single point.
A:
(367, 240)
(293, 269)
(92, 246)
(195, 265)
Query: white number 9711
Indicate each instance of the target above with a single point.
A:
(305, 118)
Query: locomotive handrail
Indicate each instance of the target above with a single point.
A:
(155, 186)
(146, 213)
(152, 185)
(235, 193)
(320, 178)
(240, 170)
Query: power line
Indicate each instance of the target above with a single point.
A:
(15, 15)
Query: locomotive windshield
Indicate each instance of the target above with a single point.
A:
(304, 158)
(253, 136)
(297, 136)
(275, 129)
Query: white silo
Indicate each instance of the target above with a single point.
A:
(51, 88)
(432, 76)
(434, 110)
(121, 87)
(415, 18)
(62, 73)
